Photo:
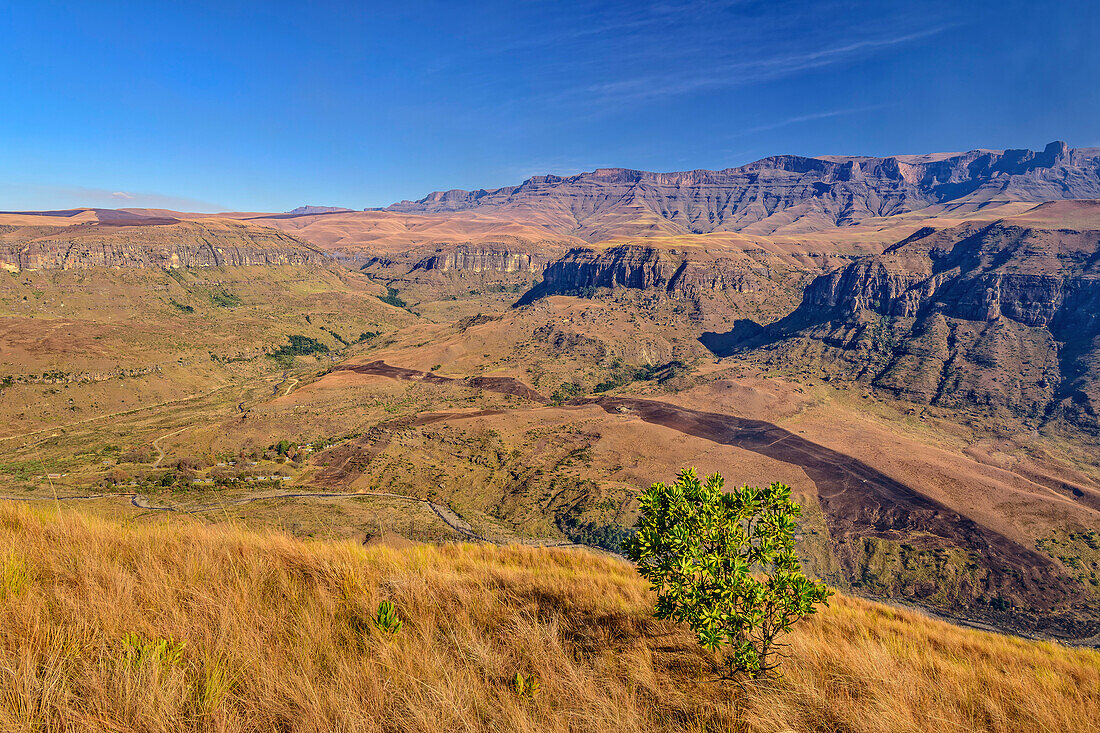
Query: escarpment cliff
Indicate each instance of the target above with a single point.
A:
(781, 194)
(167, 244)
(450, 270)
(481, 258)
(685, 272)
(1002, 315)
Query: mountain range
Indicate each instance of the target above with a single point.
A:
(784, 194)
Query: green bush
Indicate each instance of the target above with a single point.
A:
(725, 564)
(335, 335)
(606, 536)
(622, 375)
(387, 619)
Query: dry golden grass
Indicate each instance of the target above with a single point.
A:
(181, 626)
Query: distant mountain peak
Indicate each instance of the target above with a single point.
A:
(303, 210)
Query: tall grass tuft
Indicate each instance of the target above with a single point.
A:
(15, 575)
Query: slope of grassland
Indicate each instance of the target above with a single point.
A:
(179, 626)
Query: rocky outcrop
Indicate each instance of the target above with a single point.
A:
(175, 244)
(784, 193)
(977, 272)
(682, 273)
(448, 271)
(1002, 315)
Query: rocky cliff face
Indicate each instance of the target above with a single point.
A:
(677, 272)
(481, 258)
(1004, 315)
(163, 245)
(779, 194)
(447, 271)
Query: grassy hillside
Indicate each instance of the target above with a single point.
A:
(179, 626)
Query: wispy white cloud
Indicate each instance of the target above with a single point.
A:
(624, 22)
(807, 118)
(723, 74)
(603, 57)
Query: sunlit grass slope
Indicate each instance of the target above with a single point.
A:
(105, 626)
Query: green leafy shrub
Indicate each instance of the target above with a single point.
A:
(387, 619)
(725, 564)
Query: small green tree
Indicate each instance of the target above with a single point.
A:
(725, 564)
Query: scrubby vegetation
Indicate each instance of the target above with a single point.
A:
(392, 298)
(620, 375)
(606, 536)
(623, 374)
(335, 335)
(565, 392)
(224, 299)
(299, 346)
(182, 626)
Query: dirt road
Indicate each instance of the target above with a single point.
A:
(449, 517)
(159, 450)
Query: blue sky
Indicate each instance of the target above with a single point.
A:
(267, 106)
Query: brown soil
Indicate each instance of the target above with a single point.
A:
(345, 463)
(503, 385)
